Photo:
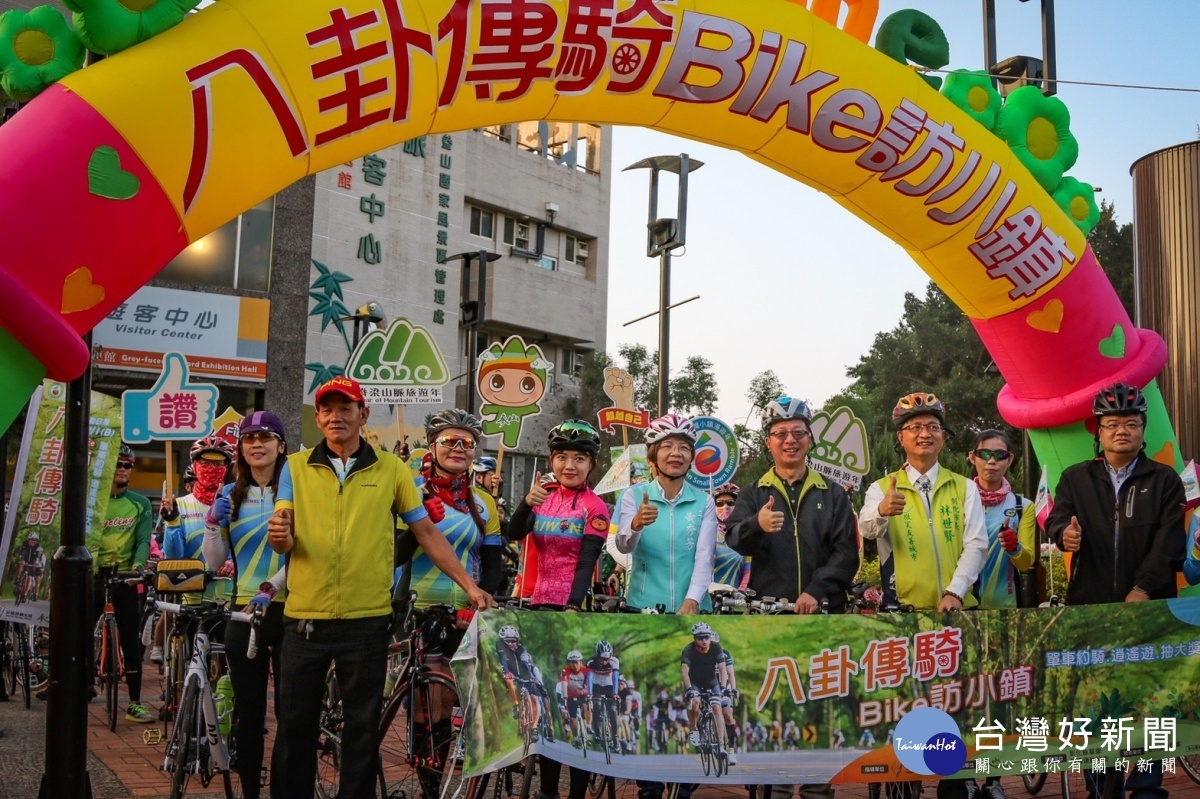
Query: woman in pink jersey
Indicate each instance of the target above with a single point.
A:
(569, 525)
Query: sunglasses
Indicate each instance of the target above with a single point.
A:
(260, 435)
(992, 454)
(124, 464)
(456, 442)
(725, 503)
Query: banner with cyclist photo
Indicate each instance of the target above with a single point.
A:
(33, 523)
(805, 699)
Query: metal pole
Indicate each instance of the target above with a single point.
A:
(989, 37)
(664, 333)
(1032, 588)
(71, 613)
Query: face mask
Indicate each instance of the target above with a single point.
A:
(209, 479)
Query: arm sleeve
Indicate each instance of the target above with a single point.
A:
(173, 538)
(1023, 559)
(627, 539)
(491, 549)
(145, 529)
(1191, 566)
(623, 559)
(284, 499)
(706, 553)
(837, 573)
(216, 538)
(520, 524)
(870, 523)
(589, 551)
(279, 579)
(975, 543)
(408, 503)
(741, 528)
(1157, 570)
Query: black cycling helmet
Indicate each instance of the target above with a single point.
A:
(1119, 399)
(126, 453)
(574, 435)
(453, 418)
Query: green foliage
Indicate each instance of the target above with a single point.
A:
(933, 348)
(1112, 244)
(326, 291)
(693, 389)
(764, 387)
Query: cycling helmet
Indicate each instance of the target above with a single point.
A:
(671, 425)
(917, 404)
(213, 443)
(782, 409)
(631, 684)
(662, 695)
(33, 536)
(716, 638)
(444, 420)
(574, 435)
(701, 628)
(604, 649)
(484, 465)
(509, 633)
(574, 656)
(126, 453)
(1119, 399)
(189, 474)
(728, 488)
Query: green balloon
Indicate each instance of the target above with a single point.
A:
(22, 374)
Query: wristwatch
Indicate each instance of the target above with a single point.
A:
(1140, 590)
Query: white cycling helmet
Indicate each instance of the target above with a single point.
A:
(574, 656)
(671, 425)
(701, 628)
(509, 633)
(782, 409)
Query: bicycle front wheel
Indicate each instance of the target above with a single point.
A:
(112, 672)
(329, 739)
(420, 746)
(8, 660)
(186, 740)
(23, 660)
(707, 743)
(1033, 782)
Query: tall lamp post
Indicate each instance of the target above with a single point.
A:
(662, 236)
(473, 309)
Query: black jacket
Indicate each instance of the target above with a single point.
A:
(821, 562)
(1136, 539)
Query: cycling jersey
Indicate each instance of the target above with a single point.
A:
(569, 530)
(997, 584)
(703, 666)
(183, 537)
(256, 562)
(467, 540)
(577, 682)
(33, 558)
(516, 662)
(603, 675)
(635, 702)
(123, 543)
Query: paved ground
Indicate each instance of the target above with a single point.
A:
(121, 764)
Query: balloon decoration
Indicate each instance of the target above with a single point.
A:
(37, 48)
(110, 26)
(149, 150)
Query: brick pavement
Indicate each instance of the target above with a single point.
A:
(121, 764)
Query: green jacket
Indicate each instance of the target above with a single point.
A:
(124, 542)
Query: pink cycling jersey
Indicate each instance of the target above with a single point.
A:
(559, 527)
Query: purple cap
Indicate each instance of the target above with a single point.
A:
(260, 421)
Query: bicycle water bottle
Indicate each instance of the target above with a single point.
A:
(224, 696)
(389, 684)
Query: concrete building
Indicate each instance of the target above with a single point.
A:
(535, 194)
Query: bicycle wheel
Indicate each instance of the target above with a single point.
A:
(581, 732)
(1033, 782)
(597, 786)
(420, 747)
(329, 739)
(600, 716)
(112, 673)
(8, 661)
(507, 783)
(1103, 784)
(1191, 766)
(178, 656)
(23, 662)
(186, 740)
(707, 743)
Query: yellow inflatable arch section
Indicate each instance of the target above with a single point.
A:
(151, 149)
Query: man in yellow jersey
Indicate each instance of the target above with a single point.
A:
(335, 517)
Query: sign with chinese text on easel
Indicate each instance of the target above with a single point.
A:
(840, 451)
(618, 385)
(402, 366)
(174, 408)
(33, 524)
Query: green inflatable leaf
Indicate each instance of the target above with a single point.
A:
(972, 91)
(36, 49)
(1078, 200)
(912, 35)
(1038, 131)
(110, 26)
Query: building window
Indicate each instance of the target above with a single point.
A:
(570, 361)
(548, 263)
(235, 255)
(577, 250)
(481, 222)
(516, 234)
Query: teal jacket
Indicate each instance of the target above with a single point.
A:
(673, 557)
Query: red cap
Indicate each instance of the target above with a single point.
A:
(340, 385)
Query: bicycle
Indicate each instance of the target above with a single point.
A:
(20, 660)
(713, 757)
(604, 725)
(197, 746)
(24, 591)
(108, 658)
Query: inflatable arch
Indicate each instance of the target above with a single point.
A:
(111, 172)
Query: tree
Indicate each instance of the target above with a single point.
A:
(1112, 244)
(935, 349)
(764, 387)
(693, 390)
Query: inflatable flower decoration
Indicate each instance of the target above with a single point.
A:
(972, 91)
(1038, 131)
(110, 26)
(37, 48)
(1078, 200)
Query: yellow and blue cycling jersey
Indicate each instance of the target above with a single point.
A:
(247, 537)
(464, 536)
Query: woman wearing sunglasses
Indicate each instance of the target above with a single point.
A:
(1009, 518)
(237, 524)
(728, 566)
(569, 524)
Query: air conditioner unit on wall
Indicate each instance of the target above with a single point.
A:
(582, 251)
(523, 231)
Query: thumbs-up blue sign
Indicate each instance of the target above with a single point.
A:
(172, 409)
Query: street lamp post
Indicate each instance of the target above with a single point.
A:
(472, 310)
(662, 236)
